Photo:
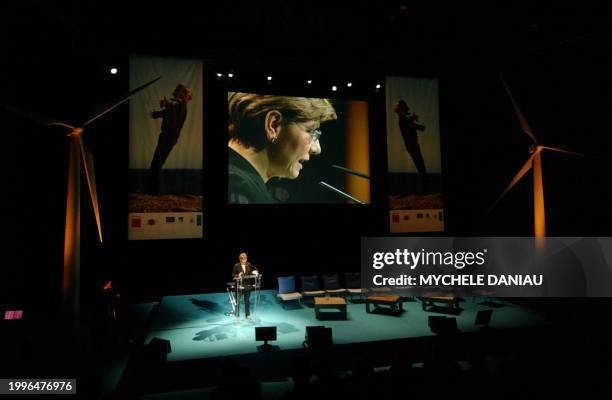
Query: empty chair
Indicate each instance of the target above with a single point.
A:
(286, 290)
(331, 285)
(353, 284)
(310, 287)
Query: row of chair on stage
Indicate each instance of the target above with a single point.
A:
(328, 285)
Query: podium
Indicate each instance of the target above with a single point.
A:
(239, 287)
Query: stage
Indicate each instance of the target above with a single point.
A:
(197, 327)
(205, 342)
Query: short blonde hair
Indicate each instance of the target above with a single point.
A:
(247, 112)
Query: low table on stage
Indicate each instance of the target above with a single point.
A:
(330, 302)
(394, 302)
(450, 300)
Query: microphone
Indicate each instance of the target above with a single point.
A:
(340, 192)
(350, 171)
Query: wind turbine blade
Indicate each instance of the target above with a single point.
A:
(39, 119)
(522, 120)
(61, 124)
(516, 178)
(91, 183)
(72, 230)
(539, 218)
(560, 150)
(117, 103)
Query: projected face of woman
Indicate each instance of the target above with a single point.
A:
(293, 148)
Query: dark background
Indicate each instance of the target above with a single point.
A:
(56, 61)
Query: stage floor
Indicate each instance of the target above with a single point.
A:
(197, 327)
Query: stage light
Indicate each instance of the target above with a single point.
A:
(263, 334)
(349, 84)
(483, 317)
(230, 75)
(157, 350)
(269, 78)
(161, 343)
(442, 325)
(334, 88)
(309, 81)
(219, 75)
(378, 86)
(114, 71)
(318, 336)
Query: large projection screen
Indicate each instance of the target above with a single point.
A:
(165, 166)
(413, 153)
(297, 150)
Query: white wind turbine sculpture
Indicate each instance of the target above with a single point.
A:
(72, 234)
(535, 162)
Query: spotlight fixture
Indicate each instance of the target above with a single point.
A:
(349, 84)
(483, 317)
(309, 81)
(219, 75)
(230, 75)
(318, 337)
(114, 71)
(269, 78)
(265, 334)
(378, 86)
(334, 88)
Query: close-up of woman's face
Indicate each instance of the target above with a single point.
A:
(295, 145)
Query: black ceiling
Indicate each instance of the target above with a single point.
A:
(307, 33)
